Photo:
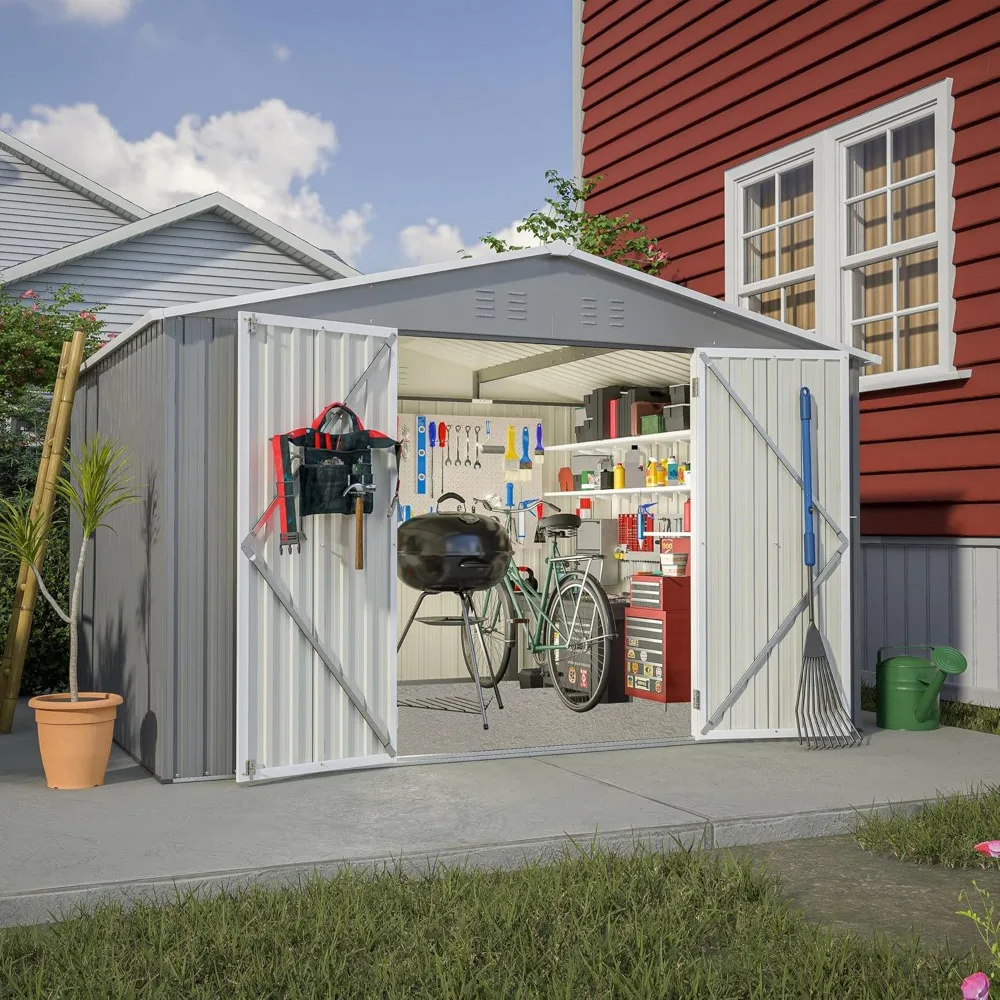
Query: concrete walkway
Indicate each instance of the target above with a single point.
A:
(135, 837)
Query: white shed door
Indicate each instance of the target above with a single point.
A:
(316, 642)
(749, 580)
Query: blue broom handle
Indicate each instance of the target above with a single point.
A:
(809, 537)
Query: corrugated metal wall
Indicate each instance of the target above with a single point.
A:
(39, 215)
(125, 631)
(298, 715)
(436, 653)
(936, 590)
(753, 571)
(206, 257)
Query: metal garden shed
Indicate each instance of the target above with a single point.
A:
(189, 619)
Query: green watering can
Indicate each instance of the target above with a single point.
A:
(908, 687)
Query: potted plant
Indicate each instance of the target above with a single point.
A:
(75, 730)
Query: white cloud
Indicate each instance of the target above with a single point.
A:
(263, 157)
(434, 241)
(101, 12)
(281, 52)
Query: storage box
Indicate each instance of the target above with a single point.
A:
(653, 424)
(677, 418)
(659, 593)
(680, 393)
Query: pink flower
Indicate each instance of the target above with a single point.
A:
(976, 987)
(29, 294)
(88, 316)
(989, 848)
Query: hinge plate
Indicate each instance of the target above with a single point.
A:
(695, 387)
(696, 698)
(250, 768)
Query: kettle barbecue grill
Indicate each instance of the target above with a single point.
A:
(454, 552)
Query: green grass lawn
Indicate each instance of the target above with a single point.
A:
(941, 833)
(593, 925)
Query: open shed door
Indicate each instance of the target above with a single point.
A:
(316, 642)
(749, 589)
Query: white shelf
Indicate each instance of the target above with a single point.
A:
(667, 534)
(634, 491)
(622, 442)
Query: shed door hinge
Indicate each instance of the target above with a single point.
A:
(252, 325)
(695, 386)
(250, 768)
(696, 698)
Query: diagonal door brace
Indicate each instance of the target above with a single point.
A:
(831, 564)
(329, 659)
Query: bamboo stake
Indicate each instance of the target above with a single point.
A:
(43, 502)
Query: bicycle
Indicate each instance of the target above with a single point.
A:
(571, 626)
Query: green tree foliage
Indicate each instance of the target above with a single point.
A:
(619, 238)
(33, 328)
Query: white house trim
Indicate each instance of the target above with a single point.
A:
(76, 181)
(256, 224)
(826, 151)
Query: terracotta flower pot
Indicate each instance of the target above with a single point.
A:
(74, 737)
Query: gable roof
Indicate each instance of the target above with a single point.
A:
(70, 178)
(272, 234)
(417, 300)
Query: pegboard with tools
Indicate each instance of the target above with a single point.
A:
(473, 456)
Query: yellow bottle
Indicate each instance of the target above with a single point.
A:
(661, 473)
(651, 473)
(619, 476)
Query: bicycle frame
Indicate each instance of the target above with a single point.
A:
(536, 600)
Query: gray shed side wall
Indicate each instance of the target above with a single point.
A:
(124, 631)
(201, 449)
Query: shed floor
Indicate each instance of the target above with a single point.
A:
(531, 718)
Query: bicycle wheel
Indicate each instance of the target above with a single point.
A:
(496, 609)
(580, 622)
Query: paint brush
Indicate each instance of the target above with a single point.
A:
(524, 466)
(510, 462)
(539, 450)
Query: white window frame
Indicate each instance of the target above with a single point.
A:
(828, 152)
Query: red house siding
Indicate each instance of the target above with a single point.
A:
(675, 92)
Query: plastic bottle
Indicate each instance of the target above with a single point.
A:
(651, 473)
(661, 473)
(586, 508)
(619, 476)
(672, 471)
(686, 519)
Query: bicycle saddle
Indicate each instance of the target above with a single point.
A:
(563, 524)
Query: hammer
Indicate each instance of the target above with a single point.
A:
(359, 490)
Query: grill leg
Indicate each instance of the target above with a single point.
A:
(409, 621)
(464, 598)
(489, 666)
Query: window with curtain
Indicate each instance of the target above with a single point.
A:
(778, 266)
(847, 233)
(890, 205)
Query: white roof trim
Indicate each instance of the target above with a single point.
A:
(558, 249)
(220, 203)
(66, 175)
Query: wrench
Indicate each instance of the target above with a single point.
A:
(477, 464)
(468, 430)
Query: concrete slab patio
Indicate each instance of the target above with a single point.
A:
(136, 838)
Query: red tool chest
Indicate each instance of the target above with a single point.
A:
(658, 639)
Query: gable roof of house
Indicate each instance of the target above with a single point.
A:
(323, 262)
(62, 174)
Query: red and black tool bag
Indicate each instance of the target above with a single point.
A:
(336, 453)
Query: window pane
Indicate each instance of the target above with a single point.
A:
(866, 166)
(796, 246)
(758, 206)
(767, 304)
(796, 191)
(759, 257)
(913, 210)
(913, 149)
(918, 285)
(918, 339)
(866, 224)
(800, 305)
(871, 290)
(876, 338)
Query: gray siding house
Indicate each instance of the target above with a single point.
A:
(45, 206)
(57, 227)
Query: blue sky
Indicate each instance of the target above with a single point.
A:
(444, 109)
